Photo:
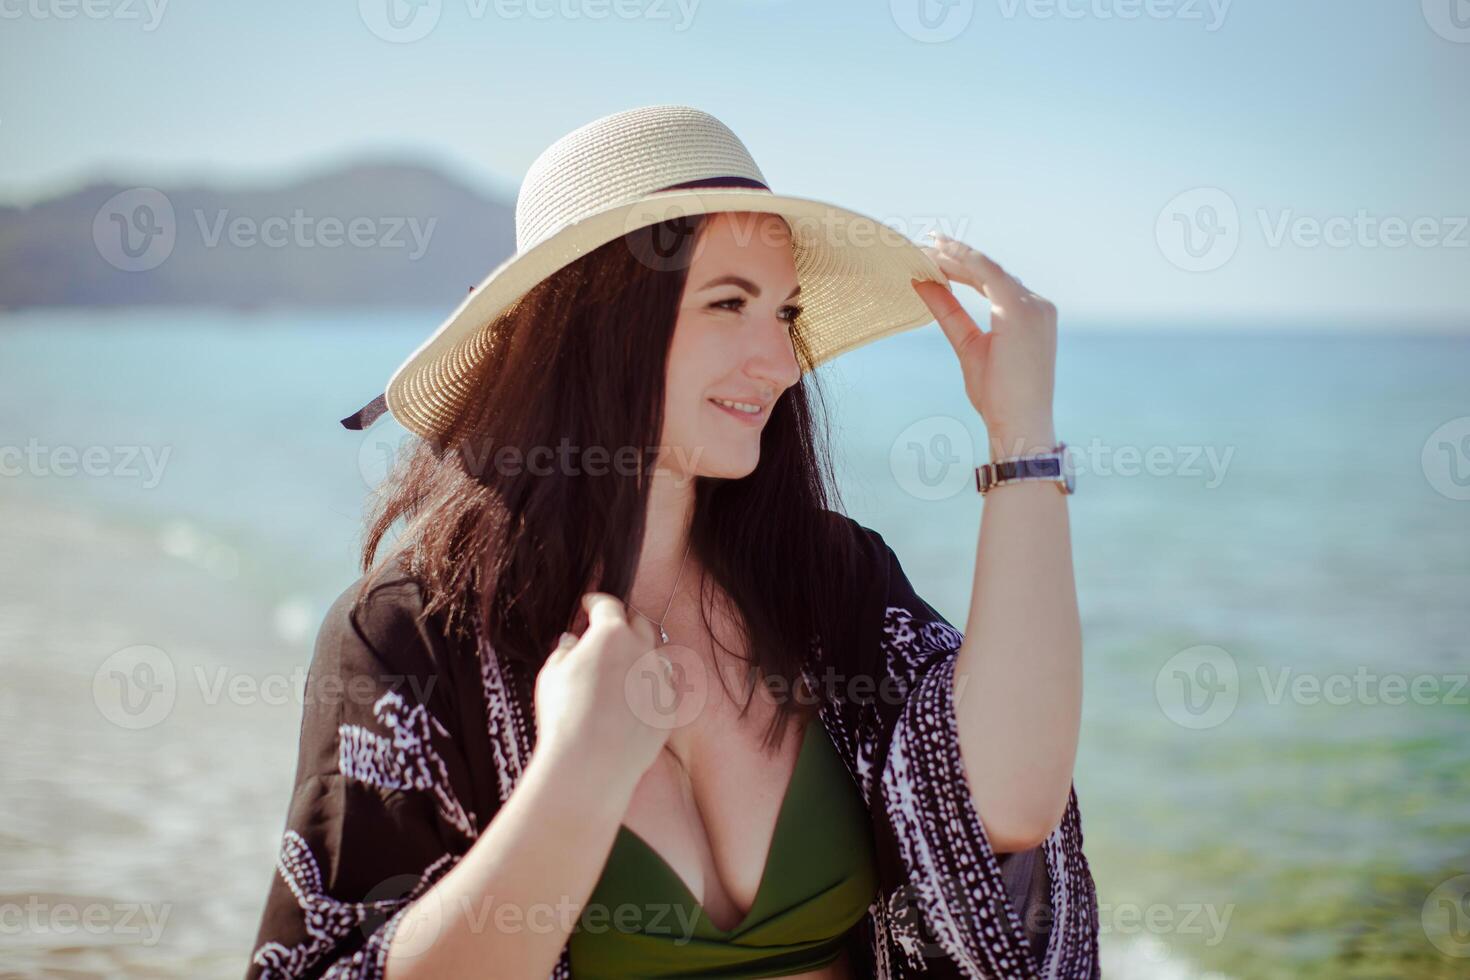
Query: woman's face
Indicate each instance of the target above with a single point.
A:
(732, 343)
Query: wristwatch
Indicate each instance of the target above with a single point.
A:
(1054, 465)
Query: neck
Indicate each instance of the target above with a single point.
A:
(665, 542)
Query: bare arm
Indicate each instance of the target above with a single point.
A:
(1019, 711)
(515, 896)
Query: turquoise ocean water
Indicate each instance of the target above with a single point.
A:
(1271, 548)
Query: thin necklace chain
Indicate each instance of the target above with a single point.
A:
(662, 635)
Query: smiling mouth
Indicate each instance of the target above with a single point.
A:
(738, 414)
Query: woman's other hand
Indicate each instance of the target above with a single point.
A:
(606, 697)
(1009, 370)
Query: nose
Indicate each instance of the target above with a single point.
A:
(772, 360)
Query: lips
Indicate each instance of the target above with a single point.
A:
(748, 418)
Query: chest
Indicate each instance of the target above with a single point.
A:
(709, 806)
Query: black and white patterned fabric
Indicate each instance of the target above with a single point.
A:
(408, 747)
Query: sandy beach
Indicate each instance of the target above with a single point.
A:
(149, 752)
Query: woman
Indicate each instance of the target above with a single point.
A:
(629, 698)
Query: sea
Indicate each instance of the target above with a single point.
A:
(1271, 533)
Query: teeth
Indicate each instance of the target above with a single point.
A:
(746, 407)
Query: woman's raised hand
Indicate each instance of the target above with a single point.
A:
(604, 697)
(1010, 369)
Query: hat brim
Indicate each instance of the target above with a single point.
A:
(855, 274)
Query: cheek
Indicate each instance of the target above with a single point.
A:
(682, 399)
(697, 361)
(698, 350)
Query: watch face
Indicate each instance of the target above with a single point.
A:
(1069, 469)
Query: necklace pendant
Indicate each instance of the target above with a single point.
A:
(663, 637)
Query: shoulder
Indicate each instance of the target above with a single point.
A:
(378, 621)
(866, 546)
(869, 544)
(890, 590)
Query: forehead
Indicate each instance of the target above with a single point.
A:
(755, 242)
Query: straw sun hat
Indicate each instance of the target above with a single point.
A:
(637, 168)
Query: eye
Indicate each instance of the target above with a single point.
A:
(787, 313)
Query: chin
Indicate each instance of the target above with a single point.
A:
(729, 464)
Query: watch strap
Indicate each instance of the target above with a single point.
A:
(1043, 466)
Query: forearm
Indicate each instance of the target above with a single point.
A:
(1019, 709)
(513, 899)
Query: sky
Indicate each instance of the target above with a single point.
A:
(1254, 161)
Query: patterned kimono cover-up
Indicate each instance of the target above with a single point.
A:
(408, 747)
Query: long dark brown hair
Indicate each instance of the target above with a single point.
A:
(580, 361)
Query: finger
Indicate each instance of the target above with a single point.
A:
(603, 607)
(958, 326)
(1003, 295)
(564, 645)
(993, 282)
(956, 270)
(978, 269)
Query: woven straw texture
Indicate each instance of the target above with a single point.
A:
(605, 179)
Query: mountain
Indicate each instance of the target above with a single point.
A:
(374, 233)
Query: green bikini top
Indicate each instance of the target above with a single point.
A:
(643, 922)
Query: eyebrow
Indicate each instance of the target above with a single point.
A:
(743, 283)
